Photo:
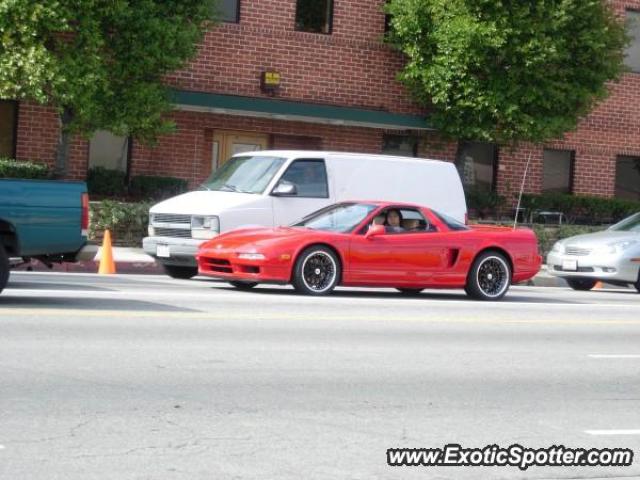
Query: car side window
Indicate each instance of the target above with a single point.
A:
(309, 177)
(410, 221)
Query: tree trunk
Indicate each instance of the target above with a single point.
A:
(64, 143)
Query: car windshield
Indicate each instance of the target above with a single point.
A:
(630, 224)
(343, 217)
(245, 174)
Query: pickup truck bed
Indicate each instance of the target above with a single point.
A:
(41, 219)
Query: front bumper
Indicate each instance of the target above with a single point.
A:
(617, 268)
(182, 251)
(226, 265)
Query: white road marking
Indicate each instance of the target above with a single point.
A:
(613, 432)
(614, 356)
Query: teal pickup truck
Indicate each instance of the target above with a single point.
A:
(42, 219)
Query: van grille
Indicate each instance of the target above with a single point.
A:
(172, 232)
(171, 218)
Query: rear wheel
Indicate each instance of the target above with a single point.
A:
(4, 268)
(637, 284)
(243, 285)
(183, 273)
(489, 277)
(410, 291)
(317, 271)
(582, 284)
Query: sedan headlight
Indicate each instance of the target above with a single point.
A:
(204, 228)
(251, 256)
(619, 247)
(558, 247)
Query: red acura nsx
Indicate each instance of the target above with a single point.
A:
(375, 244)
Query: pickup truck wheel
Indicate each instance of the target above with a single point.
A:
(243, 285)
(183, 273)
(4, 268)
(489, 277)
(582, 284)
(410, 291)
(317, 271)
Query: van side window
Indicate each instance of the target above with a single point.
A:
(309, 176)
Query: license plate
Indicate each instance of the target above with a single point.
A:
(570, 265)
(163, 251)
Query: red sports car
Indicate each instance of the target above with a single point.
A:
(375, 244)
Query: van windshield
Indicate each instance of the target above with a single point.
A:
(246, 174)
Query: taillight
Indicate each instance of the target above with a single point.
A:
(84, 219)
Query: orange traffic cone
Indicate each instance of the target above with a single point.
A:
(107, 265)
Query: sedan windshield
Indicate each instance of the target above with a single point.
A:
(630, 224)
(246, 174)
(343, 217)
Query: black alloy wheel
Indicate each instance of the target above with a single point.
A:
(489, 277)
(317, 271)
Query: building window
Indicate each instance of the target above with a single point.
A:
(400, 145)
(108, 151)
(8, 122)
(632, 54)
(628, 177)
(314, 16)
(477, 164)
(229, 11)
(557, 171)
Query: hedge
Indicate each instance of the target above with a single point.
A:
(106, 182)
(156, 188)
(581, 208)
(127, 221)
(10, 168)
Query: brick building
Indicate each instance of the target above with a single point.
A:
(336, 90)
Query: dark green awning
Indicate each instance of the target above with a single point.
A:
(296, 111)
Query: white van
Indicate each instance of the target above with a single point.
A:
(279, 187)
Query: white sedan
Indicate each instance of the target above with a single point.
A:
(611, 256)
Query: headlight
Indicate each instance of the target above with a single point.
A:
(251, 256)
(204, 228)
(557, 247)
(618, 247)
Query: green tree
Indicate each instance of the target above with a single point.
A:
(505, 71)
(100, 63)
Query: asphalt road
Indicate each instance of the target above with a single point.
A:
(144, 377)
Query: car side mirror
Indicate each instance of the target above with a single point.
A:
(284, 189)
(374, 231)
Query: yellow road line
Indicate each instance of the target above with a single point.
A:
(38, 313)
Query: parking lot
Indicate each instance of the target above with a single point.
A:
(148, 377)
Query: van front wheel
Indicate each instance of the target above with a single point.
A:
(4, 268)
(183, 273)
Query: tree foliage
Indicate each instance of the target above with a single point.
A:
(507, 70)
(100, 63)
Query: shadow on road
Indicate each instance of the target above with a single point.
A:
(106, 304)
(425, 295)
(13, 285)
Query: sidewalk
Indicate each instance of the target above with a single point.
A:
(134, 260)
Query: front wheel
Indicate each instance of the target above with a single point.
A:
(243, 285)
(183, 273)
(4, 268)
(489, 277)
(317, 271)
(582, 284)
